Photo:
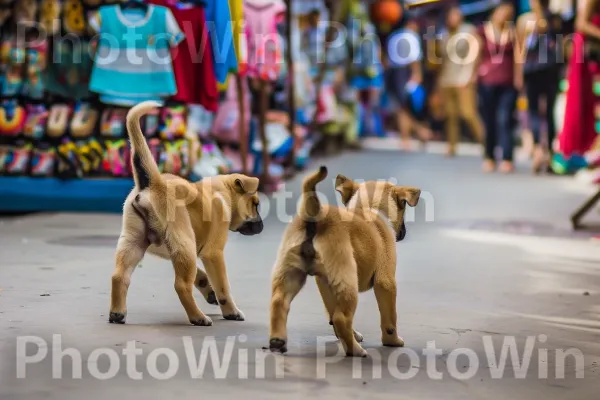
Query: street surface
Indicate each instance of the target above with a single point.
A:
(487, 259)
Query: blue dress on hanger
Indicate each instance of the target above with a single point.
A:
(218, 21)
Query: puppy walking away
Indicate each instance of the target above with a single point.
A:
(182, 221)
(348, 250)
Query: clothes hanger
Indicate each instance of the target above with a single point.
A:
(131, 4)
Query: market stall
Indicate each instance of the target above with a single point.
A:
(67, 86)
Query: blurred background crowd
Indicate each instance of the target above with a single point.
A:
(499, 73)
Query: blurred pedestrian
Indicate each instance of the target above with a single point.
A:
(404, 82)
(497, 86)
(538, 38)
(578, 133)
(460, 49)
(313, 37)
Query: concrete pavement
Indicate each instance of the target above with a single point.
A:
(487, 260)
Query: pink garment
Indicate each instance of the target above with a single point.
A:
(265, 52)
(227, 120)
(579, 132)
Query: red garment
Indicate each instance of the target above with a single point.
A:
(578, 133)
(192, 59)
(497, 62)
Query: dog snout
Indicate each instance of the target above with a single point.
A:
(257, 227)
(401, 233)
(253, 227)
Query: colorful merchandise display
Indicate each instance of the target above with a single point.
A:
(63, 103)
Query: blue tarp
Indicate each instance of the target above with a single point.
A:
(23, 194)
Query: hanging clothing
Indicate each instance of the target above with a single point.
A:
(265, 46)
(69, 74)
(192, 59)
(13, 64)
(219, 23)
(133, 61)
(236, 9)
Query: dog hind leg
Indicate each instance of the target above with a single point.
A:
(286, 284)
(131, 247)
(330, 305)
(346, 298)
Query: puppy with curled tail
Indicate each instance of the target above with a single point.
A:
(348, 250)
(182, 221)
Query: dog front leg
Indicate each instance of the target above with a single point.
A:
(214, 263)
(184, 262)
(286, 284)
(329, 302)
(385, 292)
(202, 283)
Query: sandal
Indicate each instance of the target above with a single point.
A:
(84, 121)
(507, 167)
(489, 166)
(540, 161)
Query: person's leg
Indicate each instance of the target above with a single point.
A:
(506, 108)
(467, 103)
(551, 93)
(405, 124)
(452, 119)
(534, 88)
(488, 97)
(395, 80)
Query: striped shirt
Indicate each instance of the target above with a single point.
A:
(133, 59)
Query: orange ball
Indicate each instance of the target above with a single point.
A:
(386, 12)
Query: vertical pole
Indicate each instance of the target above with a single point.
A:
(242, 123)
(291, 79)
(262, 114)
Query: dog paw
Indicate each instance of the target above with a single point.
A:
(277, 345)
(393, 342)
(116, 318)
(204, 321)
(357, 352)
(358, 337)
(235, 316)
(212, 298)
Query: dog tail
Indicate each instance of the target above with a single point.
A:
(311, 210)
(311, 206)
(145, 170)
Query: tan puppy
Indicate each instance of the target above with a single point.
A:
(181, 221)
(349, 250)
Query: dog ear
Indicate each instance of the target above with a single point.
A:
(409, 194)
(346, 187)
(246, 184)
